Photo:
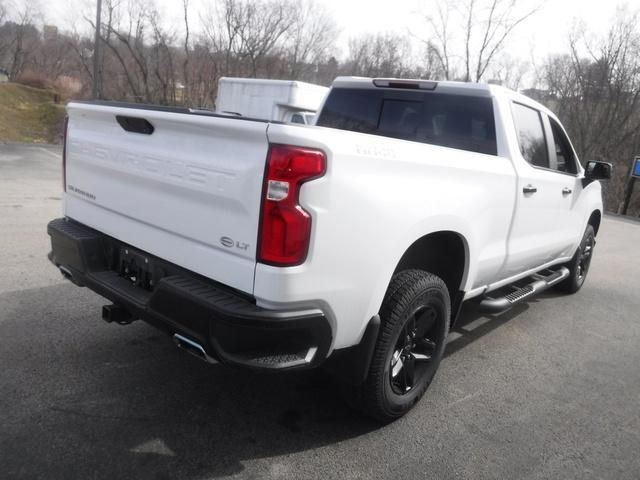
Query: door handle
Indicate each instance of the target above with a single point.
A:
(529, 189)
(567, 191)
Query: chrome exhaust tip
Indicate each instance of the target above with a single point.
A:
(193, 348)
(66, 273)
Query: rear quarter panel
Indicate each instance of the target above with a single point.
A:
(378, 196)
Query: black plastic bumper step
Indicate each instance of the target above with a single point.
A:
(205, 318)
(270, 360)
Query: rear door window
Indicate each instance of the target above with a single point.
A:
(456, 121)
(531, 139)
(565, 158)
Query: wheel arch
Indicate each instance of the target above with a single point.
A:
(594, 220)
(444, 253)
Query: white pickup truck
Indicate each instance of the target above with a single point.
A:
(350, 244)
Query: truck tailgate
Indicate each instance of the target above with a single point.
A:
(188, 192)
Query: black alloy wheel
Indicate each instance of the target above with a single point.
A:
(415, 317)
(580, 264)
(414, 349)
(584, 261)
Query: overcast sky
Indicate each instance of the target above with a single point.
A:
(542, 34)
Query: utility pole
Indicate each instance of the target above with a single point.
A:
(97, 70)
(634, 175)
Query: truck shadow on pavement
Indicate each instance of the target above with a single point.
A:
(83, 399)
(473, 324)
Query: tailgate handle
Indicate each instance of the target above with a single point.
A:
(135, 124)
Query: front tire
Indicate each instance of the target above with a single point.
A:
(415, 318)
(580, 263)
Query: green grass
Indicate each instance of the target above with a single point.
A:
(29, 115)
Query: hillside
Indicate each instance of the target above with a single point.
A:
(29, 115)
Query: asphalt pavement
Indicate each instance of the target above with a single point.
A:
(550, 389)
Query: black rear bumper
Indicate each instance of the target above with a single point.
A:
(226, 324)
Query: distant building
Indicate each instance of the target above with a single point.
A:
(545, 97)
(179, 92)
(50, 33)
(537, 94)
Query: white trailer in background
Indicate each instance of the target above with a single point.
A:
(287, 101)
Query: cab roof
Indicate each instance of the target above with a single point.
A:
(442, 86)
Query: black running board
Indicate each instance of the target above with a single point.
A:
(541, 282)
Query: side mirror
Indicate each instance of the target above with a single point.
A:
(595, 170)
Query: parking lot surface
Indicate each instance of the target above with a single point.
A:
(550, 389)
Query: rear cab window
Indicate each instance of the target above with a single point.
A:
(457, 121)
(297, 118)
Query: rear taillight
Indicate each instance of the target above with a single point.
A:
(64, 154)
(285, 227)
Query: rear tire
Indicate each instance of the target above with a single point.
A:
(580, 263)
(415, 318)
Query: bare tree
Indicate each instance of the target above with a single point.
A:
(310, 39)
(438, 45)
(379, 55)
(226, 37)
(486, 25)
(52, 57)
(79, 53)
(595, 90)
(4, 40)
(24, 40)
(127, 43)
(187, 51)
(204, 73)
(509, 71)
(162, 64)
(502, 18)
(260, 26)
(211, 59)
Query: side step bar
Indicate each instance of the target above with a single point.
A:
(518, 294)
